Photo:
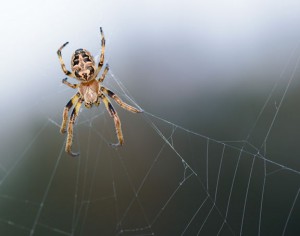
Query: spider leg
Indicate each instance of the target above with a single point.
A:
(64, 81)
(117, 121)
(106, 69)
(68, 73)
(70, 127)
(71, 103)
(119, 101)
(100, 64)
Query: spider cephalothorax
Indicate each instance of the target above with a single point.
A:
(90, 90)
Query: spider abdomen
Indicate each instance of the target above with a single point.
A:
(83, 65)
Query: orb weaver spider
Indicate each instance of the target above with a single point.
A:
(90, 91)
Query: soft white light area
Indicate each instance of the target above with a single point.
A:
(207, 36)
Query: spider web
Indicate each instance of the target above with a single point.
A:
(166, 180)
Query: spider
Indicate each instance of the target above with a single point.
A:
(90, 91)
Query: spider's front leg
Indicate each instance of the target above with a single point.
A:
(63, 66)
(71, 103)
(117, 121)
(70, 127)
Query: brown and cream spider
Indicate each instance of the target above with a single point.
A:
(90, 90)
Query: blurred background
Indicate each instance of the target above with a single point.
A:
(212, 67)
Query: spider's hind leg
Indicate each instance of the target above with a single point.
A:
(100, 64)
(106, 69)
(63, 66)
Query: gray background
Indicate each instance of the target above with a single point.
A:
(208, 66)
